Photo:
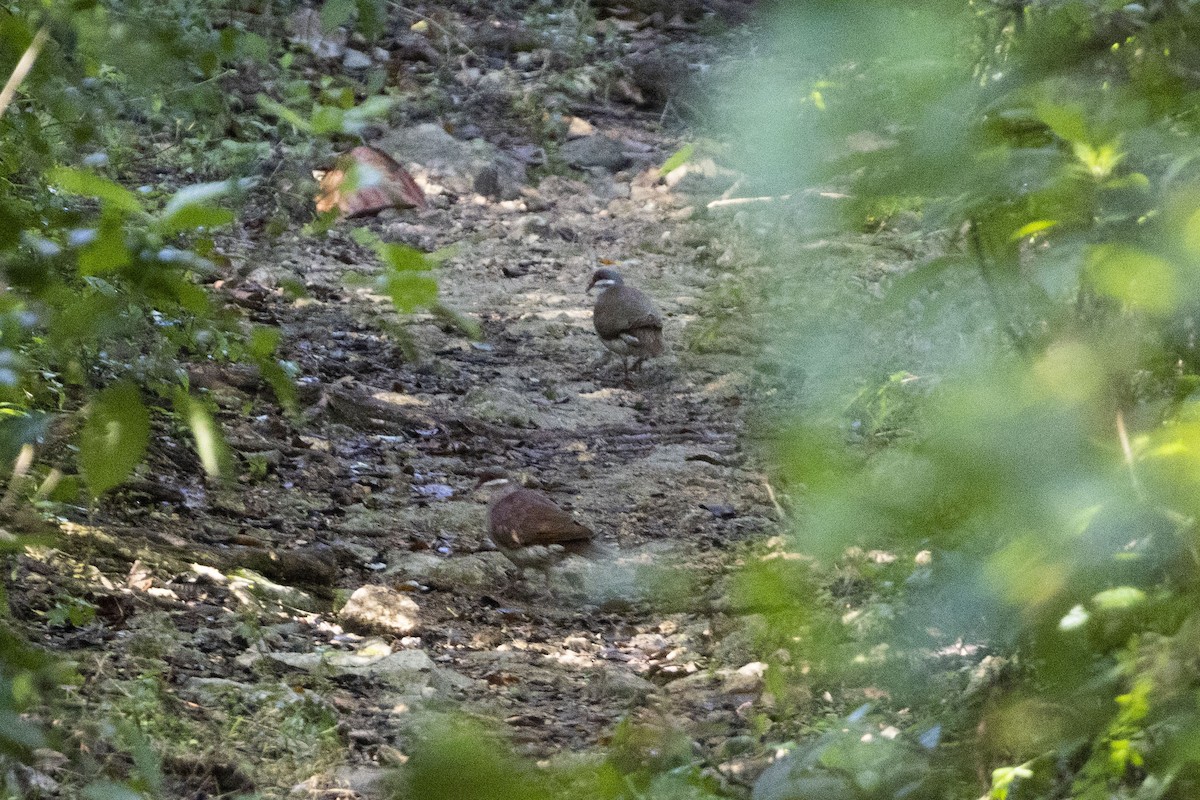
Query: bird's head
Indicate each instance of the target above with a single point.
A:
(604, 278)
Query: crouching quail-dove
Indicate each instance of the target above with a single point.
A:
(527, 526)
(625, 319)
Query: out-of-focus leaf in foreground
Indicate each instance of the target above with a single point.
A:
(114, 437)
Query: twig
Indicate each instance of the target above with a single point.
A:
(435, 24)
(738, 201)
(22, 68)
(728, 193)
(771, 494)
(1123, 437)
(20, 469)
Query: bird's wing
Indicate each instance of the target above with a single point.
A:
(526, 517)
(622, 309)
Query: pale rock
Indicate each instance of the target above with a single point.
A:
(746, 680)
(380, 609)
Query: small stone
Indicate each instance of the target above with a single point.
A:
(747, 680)
(356, 59)
(735, 746)
(577, 127)
(594, 151)
(621, 683)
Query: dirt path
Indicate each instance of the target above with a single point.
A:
(657, 468)
(373, 487)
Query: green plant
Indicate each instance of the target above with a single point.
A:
(1048, 474)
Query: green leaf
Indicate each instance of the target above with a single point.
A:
(194, 217)
(677, 159)
(411, 290)
(372, 18)
(1067, 121)
(1030, 228)
(335, 13)
(114, 438)
(281, 383)
(327, 119)
(16, 732)
(263, 342)
(210, 443)
(1137, 278)
(277, 109)
(368, 238)
(442, 254)
(203, 194)
(107, 790)
(1120, 598)
(261, 348)
(254, 47)
(87, 184)
(10, 226)
(402, 257)
(356, 119)
(462, 322)
(107, 252)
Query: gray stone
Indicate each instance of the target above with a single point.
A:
(594, 151)
(475, 571)
(504, 406)
(701, 177)
(305, 28)
(696, 682)
(217, 692)
(617, 682)
(252, 589)
(411, 672)
(355, 59)
(271, 276)
(350, 552)
(417, 566)
(363, 781)
(359, 520)
(454, 164)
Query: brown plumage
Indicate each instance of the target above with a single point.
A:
(529, 527)
(626, 320)
(523, 517)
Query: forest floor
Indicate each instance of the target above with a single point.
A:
(207, 615)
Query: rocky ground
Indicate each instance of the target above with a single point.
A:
(344, 588)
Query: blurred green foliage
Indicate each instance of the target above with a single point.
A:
(1039, 478)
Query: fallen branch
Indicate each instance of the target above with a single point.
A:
(22, 68)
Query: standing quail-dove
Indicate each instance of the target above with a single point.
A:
(625, 319)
